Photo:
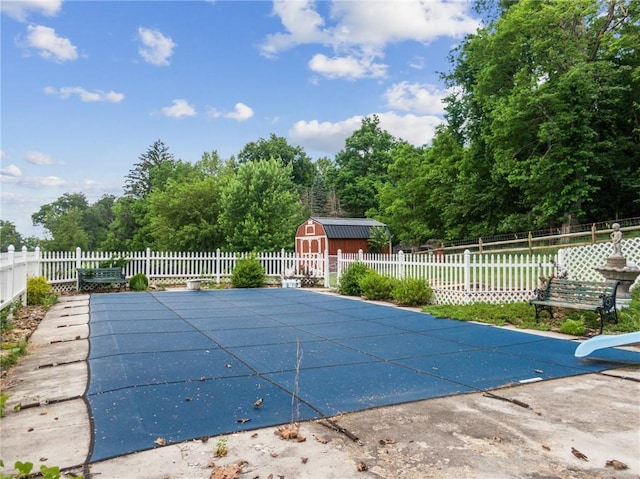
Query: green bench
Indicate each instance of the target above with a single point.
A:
(104, 276)
(599, 297)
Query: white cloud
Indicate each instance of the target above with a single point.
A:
(11, 170)
(85, 95)
(360, 31)
(416, 97)
(20, 9)
(329, 137)
(38, 158)
(324, 136)
(179, 108)
(50, 45)
(349, 67)
(302, 24)
(156, 48)
(35, 182)
(241, 113)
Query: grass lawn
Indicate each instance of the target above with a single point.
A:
(522, 315)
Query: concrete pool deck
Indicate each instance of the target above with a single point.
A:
(527, 430)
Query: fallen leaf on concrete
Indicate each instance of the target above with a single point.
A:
(258, 403)
(617, 465)
(320, 439)
(545, 447)
(384, 442)
(254, 435)
(232, 471)
(304, 460)
(579, 454)
(362, 467)
(289, 431)
(161, 441)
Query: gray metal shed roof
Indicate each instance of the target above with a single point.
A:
(348, 228)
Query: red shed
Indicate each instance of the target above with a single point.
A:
(318, 234)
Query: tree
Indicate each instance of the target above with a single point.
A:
(150, 171)
(362, 167)
(543, 109)
(303, 169)
(9, 236)
(185, 216)
(260, 208)
(403, 198)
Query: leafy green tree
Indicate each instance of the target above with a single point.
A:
(97, 219)
(379, 240)
(404, 196)
(303, 169)
(67, 231)
(9, 236)
(362, 167)
(546, 106)
(260, 208)
(185, 217)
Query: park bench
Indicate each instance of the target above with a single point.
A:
(599, 297)
(104, 276)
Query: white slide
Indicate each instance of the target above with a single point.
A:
(607, 341)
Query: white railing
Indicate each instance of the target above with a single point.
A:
(15, 268)
(455, 278)
(60, 268)
(463, 278)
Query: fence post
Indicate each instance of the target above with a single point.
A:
(38, 261)
(467, 274)
(339, 266)
(327, 273)
(479, 245)
(593, 233)
(401, 264)
(217, 261)
(11, 251)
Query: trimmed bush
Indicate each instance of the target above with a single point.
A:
(138, 282)
(375, 286)
(573, 327)
(350, 279)
(248, 273)
(39, 292)
(412, 292)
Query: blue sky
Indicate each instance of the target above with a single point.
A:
(88, 86)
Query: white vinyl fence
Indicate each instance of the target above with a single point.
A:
(15, 268)
(162, 267)
(463, 278)
(455, 278)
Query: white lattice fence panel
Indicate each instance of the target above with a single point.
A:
(579, 262)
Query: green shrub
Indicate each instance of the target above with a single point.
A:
(574, 327)
(412, 292)
(39, 292)
(248, 273)
(375, 286)
(629, 318)
(138, 282)
(350, 279)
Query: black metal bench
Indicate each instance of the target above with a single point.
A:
(104, 276)
(599, 297)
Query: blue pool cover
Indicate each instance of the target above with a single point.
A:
(187, 364)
